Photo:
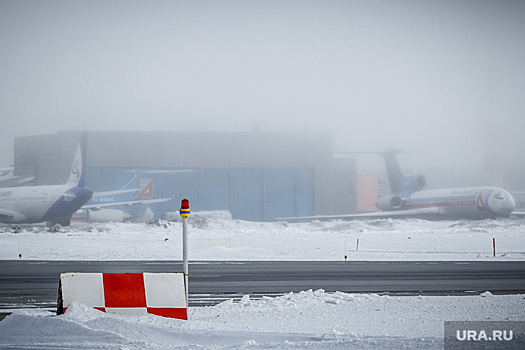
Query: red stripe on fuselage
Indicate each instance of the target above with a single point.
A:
(441, 204)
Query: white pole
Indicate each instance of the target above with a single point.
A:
(185, 213)
(185, 253)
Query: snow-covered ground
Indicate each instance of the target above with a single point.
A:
(306, 320)
(243, 240)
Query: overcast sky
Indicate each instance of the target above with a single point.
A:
(429, 76)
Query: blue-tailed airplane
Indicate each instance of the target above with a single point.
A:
(129, 203)
(408, 197)
(51, 204)
(409, 200)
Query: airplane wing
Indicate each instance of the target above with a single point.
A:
(6, 171)
(112, 193)
(425, 213)
(6, 214)
(125, 203)
(163, 172)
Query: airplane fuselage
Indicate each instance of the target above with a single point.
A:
(468, 202)
(36, 204)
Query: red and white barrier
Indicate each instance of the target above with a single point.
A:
(162, 294)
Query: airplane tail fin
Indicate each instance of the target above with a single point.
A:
(77, 176)
(401, 184)
(146, 189)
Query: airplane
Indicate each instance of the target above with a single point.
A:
(9, 179)
(409, 200)
(125, 204)
(51, 203)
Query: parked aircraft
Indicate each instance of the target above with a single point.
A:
(51, 204)
(9, 179)
(409, 200)
(130, 203)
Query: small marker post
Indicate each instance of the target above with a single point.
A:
(494, 246)
(346, 257)
(185, 213)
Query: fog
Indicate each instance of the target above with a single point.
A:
(443, 78)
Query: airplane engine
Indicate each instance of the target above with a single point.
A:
(107, 215)
(388, 203)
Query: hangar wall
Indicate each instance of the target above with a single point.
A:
(256, 194)
(258, 176)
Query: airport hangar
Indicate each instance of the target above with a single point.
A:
(257, 176)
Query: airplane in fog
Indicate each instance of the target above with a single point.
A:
(125, 204)
(9, 179)
(408, 196)
(51, 204)
(409, 200)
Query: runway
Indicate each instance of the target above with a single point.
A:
(34, 284)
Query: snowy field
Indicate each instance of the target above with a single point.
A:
(306, 320)
(243, 240)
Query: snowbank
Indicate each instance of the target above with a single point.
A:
(306, 320)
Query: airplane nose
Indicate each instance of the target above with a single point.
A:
(510, 204)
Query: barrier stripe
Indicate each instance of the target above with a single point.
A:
(160, 297)
(169, 312)
(88, 289)
(124, 290)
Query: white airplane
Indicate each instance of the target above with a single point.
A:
(97, 209)
(51, 204)
(9, 179)
(409, 200)
(125, 204)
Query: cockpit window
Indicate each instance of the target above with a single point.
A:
(498, 196)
